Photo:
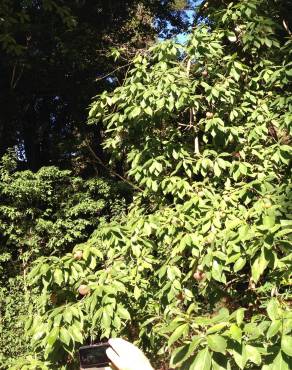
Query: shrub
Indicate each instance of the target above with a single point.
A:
(42, 214)
(198, 271)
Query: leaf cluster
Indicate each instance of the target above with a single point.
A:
(199, 270)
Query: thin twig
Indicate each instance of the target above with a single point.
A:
(12, 77)
(192, 118)
(18, 77)
(112, 172)
(286, 27)
(189, 67)
(112, 72)
(14, 81)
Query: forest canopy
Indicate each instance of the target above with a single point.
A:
(53, 55)
(145, 185)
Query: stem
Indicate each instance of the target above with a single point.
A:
(192, 119)
(196, 145)
(13, 76)
(112, 72)
(286, 27)
(24, 276)
(112, 172)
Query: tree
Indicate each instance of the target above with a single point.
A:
(53, 58)
(198, 271)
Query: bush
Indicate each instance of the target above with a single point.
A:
(13, 311)
(42, 214)
(198, 271)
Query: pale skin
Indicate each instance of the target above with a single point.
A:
(126, 356)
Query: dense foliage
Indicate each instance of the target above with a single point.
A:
(41, 214)
(198, 271)
(189, 254)
(55, 55)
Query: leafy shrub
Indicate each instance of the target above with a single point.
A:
(51, 210)
(42, 214)
(198, 272)
(13, 311)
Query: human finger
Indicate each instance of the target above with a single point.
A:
(114, 358)
(123, 347)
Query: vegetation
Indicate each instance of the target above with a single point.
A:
(192, 259)
(43, 214)
(54, 55)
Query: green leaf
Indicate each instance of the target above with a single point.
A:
(279, 363)
(52, 337)
(38, 334)
(267, 367)
(240, 316)
(259, 266)
(179, 355)
(274, 328)
(286, 344)
(160, 103)
(65, 336)
(182, 353)
(273, 309)
(235, 332)
(286, 223)
(222, 315)
(217, 327)
(67, 315)
(179, 331)
(239, 264)
(217, 169)
(269, 221)
(58, 276)
(76, 334)
(248, 12)
(149, 111)
(220, 362)
(106, 319)
(135, 112)
(253, 354)
(217, 269)
(123, 313)
(217, 343)
(196, 340)
(137, 292)
(239, 354)
(202, 361)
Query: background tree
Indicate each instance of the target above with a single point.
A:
(54, 55)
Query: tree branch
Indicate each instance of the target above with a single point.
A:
(286, 27)
(112, 172)
(192, 119)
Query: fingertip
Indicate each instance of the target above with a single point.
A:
(118, 344)
(116, 341)
(109, 352)
(114, 358)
